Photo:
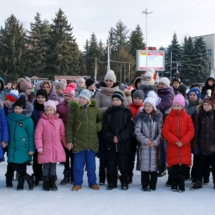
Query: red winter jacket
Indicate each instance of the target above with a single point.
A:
(135, 109)
(178, 126)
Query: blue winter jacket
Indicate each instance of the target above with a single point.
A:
(3, 131)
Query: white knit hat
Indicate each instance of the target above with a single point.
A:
(110, 75)
(86, 94)
(148, 74)
(151, 101)
(165, 80)
(80, 80)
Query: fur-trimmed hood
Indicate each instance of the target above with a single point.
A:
(26, 112)
(147, 117)
(75, 105)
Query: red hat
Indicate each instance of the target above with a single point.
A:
(70, 90)
(209, 100)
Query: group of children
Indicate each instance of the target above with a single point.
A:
(53, 132)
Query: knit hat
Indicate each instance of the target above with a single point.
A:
(196, 91)
(182, 89)
(70, 90)
(21, 101)
(165, 80)
(24, 85)
(152, 101)
(12, 96)
(86, 94)
(118, 95)
(43, 93)
(89, 82)
(148, 74)
(51, 103)
(61, 84)
(179, 99)
(176, 79)
(138, 93)
(209, 100)
(80, 80)
(110, 75)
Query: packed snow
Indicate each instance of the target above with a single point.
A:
(87, 201)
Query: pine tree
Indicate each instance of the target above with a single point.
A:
(118, 36)
(62, 57)
(201, 60)
(13, 51)
(188, 69)
(37, 39)
(175, 49)
(136, 41)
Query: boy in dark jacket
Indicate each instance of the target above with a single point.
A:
(118, 129)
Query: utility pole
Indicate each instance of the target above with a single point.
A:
(129, 73)
(171, 67)
(108, 55)
(95, 69)
(121, 73)
(124, 72)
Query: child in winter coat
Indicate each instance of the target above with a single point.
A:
(137, 103)
(83, 123)
(178, 130)
(148, 133)
(118, 129)
(63, 110)
(49, 137)
(21, 140)
(11, 97)
(60, 87)
(204, 140)
(41, 98)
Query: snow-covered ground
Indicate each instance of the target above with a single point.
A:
(87, 201)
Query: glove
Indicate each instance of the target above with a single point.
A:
(196, 152)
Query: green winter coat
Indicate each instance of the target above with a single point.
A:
(21, 138)
(82, 126)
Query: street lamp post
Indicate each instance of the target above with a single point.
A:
(146, 12)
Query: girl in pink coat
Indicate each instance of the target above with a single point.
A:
(49, 137)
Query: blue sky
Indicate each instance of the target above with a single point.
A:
(88, 16)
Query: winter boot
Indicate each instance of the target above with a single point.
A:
(124, 187)
(162, 172)
(111, 187)
(145, 180)
(153, 181)
(95, 187)
(76, 188)
(197, 185)
(46, 186)
(169, 181)
(9, 183)
(66, 177)
(181, 188)
(20, 184)
(52, 184)
(37, 181)
(174, 186)
(30, 181)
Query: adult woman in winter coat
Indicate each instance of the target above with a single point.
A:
(136, 84)
(209, 85)
(148, 127)
(48, 87)
(103, 98)
(164, 103)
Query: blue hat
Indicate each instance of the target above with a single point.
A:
(196, 91)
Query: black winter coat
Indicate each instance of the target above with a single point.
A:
(117, 122)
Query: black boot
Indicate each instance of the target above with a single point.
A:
(37, 181)
(153, 181)
(46, 182)
(145, 181)
(162, 172)
(9, 183)
(174, 186)
(30, 181)
(52, 184)
(197, 185)
(169, 181)
(111, 186)
(66, 178)
(20, 184)
(187, 173)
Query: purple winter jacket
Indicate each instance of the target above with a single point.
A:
(63, 111)
(166, 98)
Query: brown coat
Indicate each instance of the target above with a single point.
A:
(204, 139)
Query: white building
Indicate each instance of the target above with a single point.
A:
(210, 41)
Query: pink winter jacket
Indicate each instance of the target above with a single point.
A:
(50, 135)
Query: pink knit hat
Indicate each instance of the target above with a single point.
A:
(24, 85)
(179, 99)
(51, 103)
(70, 89)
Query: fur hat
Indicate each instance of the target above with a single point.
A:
(61, 84)
(118, 95)
(70, 90)
(165, 80)
(51, 103)
(209, 100)
(110, 75)
(182, 89)
(24, 85)
(196, 91)
(86, 94)
(12, 96)
(152, 101)
(89, 82)
(138, 93)
(179, 99)
(43, 93)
